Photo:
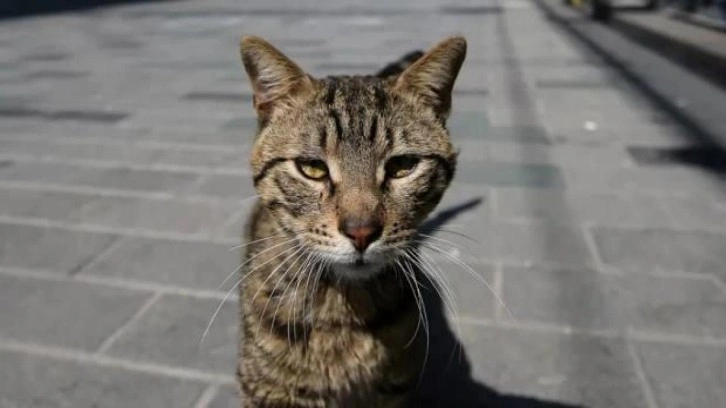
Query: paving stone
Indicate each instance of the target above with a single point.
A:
(65, 314)
(563, 155)
(541, 242)
(518, 368)
(182, 216)
(96, 152)
(587, 299)
(510, 174)
(697, 213)
(198, 158)
(137, 180)
(39, 172)
(180, 263)
(227, 397)
(226, 186)
(557, 205)
(241, 123)
(31, 381)
(654, 249)
(41, 204)
(685, 375)
(51, 249)
(171, 332)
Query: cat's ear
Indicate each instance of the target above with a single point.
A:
(274, 76)
(431, 78)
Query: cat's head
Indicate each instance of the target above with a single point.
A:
(352, 165)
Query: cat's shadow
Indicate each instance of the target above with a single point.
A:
(447, 380)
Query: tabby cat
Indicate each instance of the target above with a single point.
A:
(346, 169)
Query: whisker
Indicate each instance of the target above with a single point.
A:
(475, 274)
(300, 250)
(250, 259)
(440, 283)
(453, 232)
(229, 292)
(255, 241)
(425, 318)
(419, 306)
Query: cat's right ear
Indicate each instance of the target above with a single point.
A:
(274, 77)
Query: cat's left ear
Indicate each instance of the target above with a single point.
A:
(431, 78)
(274, 77)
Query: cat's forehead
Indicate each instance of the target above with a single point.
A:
(355, 117)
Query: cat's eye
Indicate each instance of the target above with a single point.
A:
(401, 166)
(312, 169)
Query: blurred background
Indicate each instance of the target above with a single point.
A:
(590, 191)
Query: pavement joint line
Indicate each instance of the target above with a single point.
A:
(136, 232)
(591, 245)
(109, 192)
(81, 190)
(645, 384)
(99, 257)
(718, 282)
(130, 323)
(82, 357)
(638, 335)
(123, 165)
(131, 285)
(680, 339)
(207, 397)
(142, 144)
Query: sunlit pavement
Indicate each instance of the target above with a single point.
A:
(124, 142)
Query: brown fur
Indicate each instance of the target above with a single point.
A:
(318, 329)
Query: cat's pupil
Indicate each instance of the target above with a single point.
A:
(401, 166)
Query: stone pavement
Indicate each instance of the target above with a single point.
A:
(124, 138)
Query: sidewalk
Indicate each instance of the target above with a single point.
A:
(124, 140)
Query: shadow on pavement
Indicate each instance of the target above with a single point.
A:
(26, 8)
(447, 379)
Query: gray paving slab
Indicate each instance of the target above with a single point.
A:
(140, 124)
(63, 314)
(52, 249)
(587, 299)
(609, 209)
(34, 381)
(226, 398)
(172, 333)
(195, 265)
(684, 375)
(180, 216)
(51, 205)
(225, 186)
(548, 368)
(661, 249)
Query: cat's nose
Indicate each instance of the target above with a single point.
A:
(361, 232)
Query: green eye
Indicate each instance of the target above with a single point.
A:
(401, 166)
(312, 169)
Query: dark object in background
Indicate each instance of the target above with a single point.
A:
(601, 10)
(19, 8)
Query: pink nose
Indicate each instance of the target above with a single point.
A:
(361, 233)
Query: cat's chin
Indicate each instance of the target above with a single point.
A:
(357, 271)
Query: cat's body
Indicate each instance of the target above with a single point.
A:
(346, 168)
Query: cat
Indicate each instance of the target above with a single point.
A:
(346, 168)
